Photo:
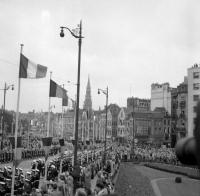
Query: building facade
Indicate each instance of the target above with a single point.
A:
(161, 96)
(114, 110)
(145, 126)
(69, 125)
(123, 129)
(193, 75)
(182, 110)
(138, 104)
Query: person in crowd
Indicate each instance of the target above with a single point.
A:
(87, 179)
(81, 192)
(100, 189)
(33, 192)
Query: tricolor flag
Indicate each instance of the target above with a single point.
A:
(29, 69)
(57, 91)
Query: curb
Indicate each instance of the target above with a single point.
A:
(190, 172)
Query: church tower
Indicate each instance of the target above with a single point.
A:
(88, 100)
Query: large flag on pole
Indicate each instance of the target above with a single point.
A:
(29, 69)
(57, 91)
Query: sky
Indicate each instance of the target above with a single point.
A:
(127, 46)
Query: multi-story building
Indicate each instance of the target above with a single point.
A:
(142, 125)
(109, 126)
(102, 123)
(145, 126)
(193, 75)
(37, 123)
(138, 104)
(114, 109)
(69, 124)
(161, 126)
(102, 126)
(122, 128)
(97, 117)
(161, 96)
(174, 117)
(182, 102)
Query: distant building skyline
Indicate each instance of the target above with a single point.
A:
(150, 46)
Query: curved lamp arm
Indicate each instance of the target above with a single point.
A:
(73, 34)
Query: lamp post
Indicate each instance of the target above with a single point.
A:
(77, 33)
(105, 92)
(6, 87)
(133, 133)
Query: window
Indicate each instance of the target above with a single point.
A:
(195, 97)
(195, 74)
(196, 86)
(194, 108)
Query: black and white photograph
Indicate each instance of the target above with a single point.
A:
(99, 98)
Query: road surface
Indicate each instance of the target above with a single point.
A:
(26, 164)
(163, 183)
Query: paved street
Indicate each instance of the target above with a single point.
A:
(164, 184)
(26, 164)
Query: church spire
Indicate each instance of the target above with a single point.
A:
(88, 100)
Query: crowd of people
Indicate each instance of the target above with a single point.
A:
(67, 180)
(152, 153)
(6, 145)
(62, 179)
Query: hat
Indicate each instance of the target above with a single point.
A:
(2, 183)
(37, 190)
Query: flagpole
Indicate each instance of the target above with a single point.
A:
(16, 128)
(48, 122)
(62, 115)
(61, 161)
(62, 123)
(48, 125)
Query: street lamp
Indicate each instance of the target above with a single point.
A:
(77, 33)
(105, 92)
(133, 133)
(6, 87)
